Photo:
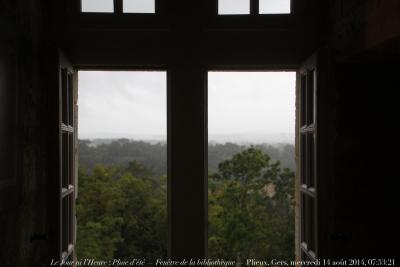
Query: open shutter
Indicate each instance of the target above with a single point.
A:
(307, 160)
(314, 153)
(63, 153)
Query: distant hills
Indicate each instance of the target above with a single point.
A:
(153, 153)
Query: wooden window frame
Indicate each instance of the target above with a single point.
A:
(62, 168)
(307, 175)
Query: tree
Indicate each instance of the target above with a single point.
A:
(121, 213)
(246, 219)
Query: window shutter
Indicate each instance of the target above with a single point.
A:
(307, 163)
(62, 160)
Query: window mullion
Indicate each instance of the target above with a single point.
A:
(118, 8)
(254, 7)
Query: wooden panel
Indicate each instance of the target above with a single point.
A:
(187, 176)
(61, 182)
(8, 129)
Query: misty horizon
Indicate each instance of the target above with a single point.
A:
(220, 139)
(243, 107)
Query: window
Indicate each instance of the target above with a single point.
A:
(232, 7)
(263, 7)
(124, 6)
(308, 190)
(274, 6)
(97, 6)
(139, 6)
(67, 155)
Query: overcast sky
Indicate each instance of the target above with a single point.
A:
(241, 105)
(251, 106)
(122, 104)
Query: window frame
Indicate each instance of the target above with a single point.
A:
(307, 155)
(255, 10)
(119, 10)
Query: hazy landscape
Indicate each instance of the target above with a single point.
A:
(122, 212)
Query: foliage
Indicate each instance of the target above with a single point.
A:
(121, 213)
(245, 219)
(154, 155)
(121, 209)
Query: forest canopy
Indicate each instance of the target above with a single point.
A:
(122, 204)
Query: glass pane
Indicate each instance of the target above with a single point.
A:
(65, 161)
(64, 89)
(310, 160)
(101, 6)
(274, 6)
(310, 96)
(303, 167)
(311, 224)
(139, 6)
(303, 234)
(231, 7)
(65, 223)
(303, 104)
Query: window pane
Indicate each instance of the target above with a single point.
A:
(101, 6)
(274, 6)
(139, 6)
(231, 7)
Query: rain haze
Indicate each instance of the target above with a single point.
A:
(252, 107)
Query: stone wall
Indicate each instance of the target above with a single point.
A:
(23, 213)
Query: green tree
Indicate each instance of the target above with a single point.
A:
(98, 232)
(251, 208)
(121, 213)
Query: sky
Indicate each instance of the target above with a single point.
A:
(118, 104)
(251, 106)
(242, 106)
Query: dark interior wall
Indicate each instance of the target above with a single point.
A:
(365, 56)
(22, 140)
(365, 170)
